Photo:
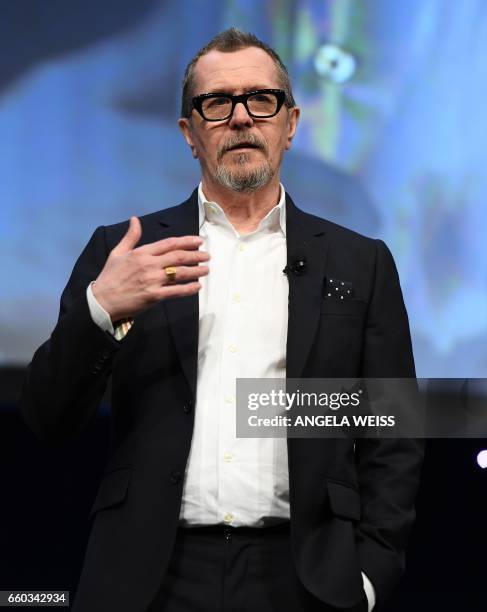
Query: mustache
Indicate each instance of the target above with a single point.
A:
(241, 139)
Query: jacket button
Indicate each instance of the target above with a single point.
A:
(187, 407)
(105, 354)
(175, 477)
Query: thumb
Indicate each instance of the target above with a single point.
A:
(131, 238)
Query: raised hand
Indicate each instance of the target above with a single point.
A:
(134, 278)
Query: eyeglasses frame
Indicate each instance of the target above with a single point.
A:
(243, 98)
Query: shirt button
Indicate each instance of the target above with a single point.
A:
(229, 399)
(232, 348)
(241, 246)
(228, 518)
(236, 297)
(227, 457)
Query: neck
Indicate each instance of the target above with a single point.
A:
(244, 210)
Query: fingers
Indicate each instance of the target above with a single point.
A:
(183, 258)
(131, 238)
(184, 274)
(172, 291)
(161, 247)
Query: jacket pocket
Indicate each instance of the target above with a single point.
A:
(113, 489)
(344, 501)
(336, 307)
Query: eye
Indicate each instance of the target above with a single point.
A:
(262, 97)
(213, 102)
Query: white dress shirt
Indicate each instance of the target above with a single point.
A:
(243, 308)
(243, 316)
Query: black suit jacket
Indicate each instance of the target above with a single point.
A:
(351, 508)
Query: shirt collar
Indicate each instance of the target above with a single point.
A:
(275, 218)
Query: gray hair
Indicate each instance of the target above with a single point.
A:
(227, 41)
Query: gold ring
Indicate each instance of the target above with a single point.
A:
(170, 273)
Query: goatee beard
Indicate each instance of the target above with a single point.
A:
(240, 178)
(244, 180)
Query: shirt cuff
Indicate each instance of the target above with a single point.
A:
(99, 315)
(369, 592)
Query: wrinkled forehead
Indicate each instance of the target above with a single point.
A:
(235, 72)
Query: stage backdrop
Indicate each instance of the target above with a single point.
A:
(391, 142)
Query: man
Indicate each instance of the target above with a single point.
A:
(187, 517)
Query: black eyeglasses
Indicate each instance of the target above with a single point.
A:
(260, 104)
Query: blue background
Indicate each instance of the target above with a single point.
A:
(90, 95)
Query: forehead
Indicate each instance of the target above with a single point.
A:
(235, 71)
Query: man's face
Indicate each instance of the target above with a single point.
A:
(240, 153)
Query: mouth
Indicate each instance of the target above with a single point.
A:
(243, 146)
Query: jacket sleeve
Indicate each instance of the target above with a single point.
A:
(388, 469)
(68, 374)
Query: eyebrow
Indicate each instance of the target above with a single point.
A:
(229, 90)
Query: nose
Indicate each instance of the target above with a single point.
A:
(240, 116)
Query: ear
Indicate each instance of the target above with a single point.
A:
(186, 128)
(292, 124)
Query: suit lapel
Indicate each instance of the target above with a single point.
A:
(182, 313)
(305, 241)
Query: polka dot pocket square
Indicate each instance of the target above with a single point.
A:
(334, 288)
